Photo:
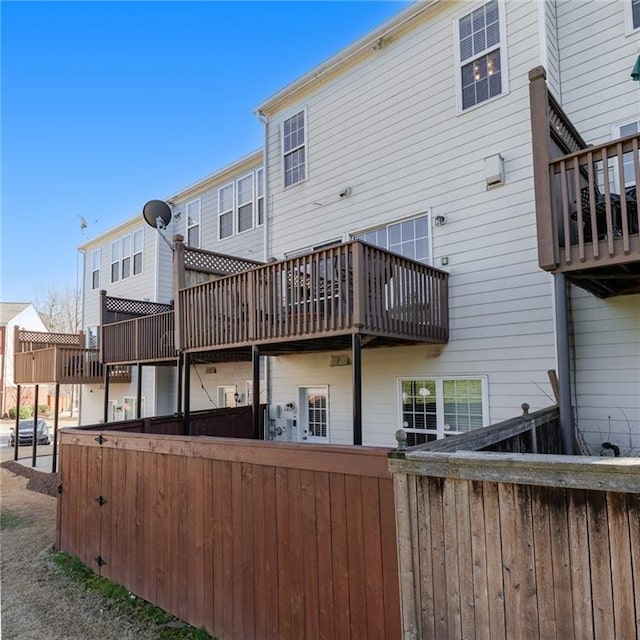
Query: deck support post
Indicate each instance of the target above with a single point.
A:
(255, 399)
(179, 384)
(139, 392)
(187, 400)
(34, 445)
(105, 412)
(564, 364)
(16, 443)
(56, 410)
(356, 349)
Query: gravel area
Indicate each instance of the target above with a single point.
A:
(38, 601)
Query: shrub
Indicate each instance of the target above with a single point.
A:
(26, 411)
(43, 408)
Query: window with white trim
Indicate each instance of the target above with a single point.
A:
(138, 238)
(260, 196)
(225, 211)
(96, 258)
(244, 193)
(227, 396)
(635, 14)
(409, 238)
(130, 404)
(480, 55)
(433, 408)
(193, 223)
(126, 257)
(115, 261)
(294, 149)
(621, 131)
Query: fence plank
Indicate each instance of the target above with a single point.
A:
(480, 586)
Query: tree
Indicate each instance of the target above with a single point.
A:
(59, 309)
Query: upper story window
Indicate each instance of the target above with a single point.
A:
(635, 14)
(241, 204)
(260, 196)
(126, 256)
(96, 258)
(480, 55)
(193, 223)
(409, 238)
(294, 149)
(244, 190)
(225, 211)
(115, 261)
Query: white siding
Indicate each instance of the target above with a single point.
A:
(596, 58)
(607, 370)
(204, 386)
(552, 56)
(388, 129)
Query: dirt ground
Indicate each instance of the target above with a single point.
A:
(37, 601)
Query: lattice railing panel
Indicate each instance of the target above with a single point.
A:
(136, 307)
(32, 340)
(217, 263)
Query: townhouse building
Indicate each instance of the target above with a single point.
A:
(129, 275)
(446, 213)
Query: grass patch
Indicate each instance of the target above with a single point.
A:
(165, 625)
(10, 520)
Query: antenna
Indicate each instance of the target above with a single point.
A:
(157, 214)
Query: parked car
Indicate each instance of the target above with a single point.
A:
(25, 433)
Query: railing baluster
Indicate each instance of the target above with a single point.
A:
(623, 199)
(604, 155)
(579, 219)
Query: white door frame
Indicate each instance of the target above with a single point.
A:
(304, 428)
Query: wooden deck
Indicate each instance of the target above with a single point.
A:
(586, 200)
(43, 357)
(503, 545)
(317, 301)
(250, 539)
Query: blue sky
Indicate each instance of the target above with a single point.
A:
(106, 105)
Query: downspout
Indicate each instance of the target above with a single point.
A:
(564, 365)
(265, 247)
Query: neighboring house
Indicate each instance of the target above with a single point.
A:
(417, 139)
(222, 213)
(25, 316)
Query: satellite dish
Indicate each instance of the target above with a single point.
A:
(157, 214)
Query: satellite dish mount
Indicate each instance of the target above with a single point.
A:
(157, 214)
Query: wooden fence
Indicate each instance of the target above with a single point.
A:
(248, 539)
(501, 545)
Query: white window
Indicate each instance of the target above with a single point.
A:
(96, 258)
(632, 14)
(115, 261)
(130, 404)
(126, 257)
(409, 238)
(260, 196)
(193, 223)
(481, 55)
(138, 238)
(244, 198)
(433, 408)
(227, 396)
(225, 211)
(294, 149)
(621, 131)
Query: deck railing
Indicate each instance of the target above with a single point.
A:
(586, 196)
(64, 365)
(350, 288)
(144, 339)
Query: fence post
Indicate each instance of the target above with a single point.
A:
(179, 281)
(533, 436)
